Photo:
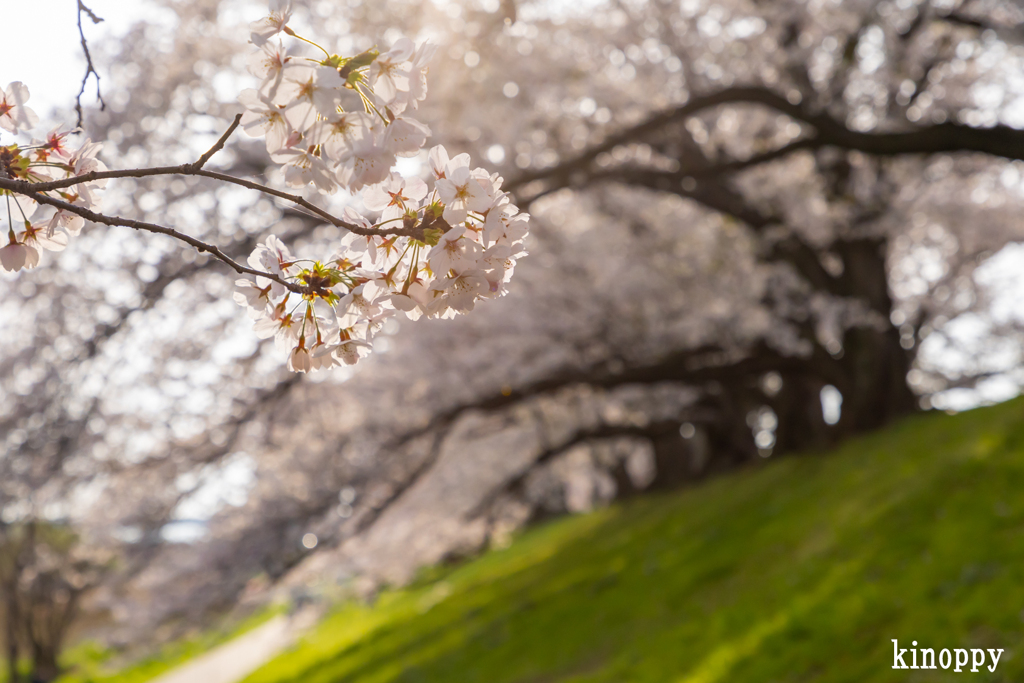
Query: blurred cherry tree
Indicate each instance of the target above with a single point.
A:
(757, 229)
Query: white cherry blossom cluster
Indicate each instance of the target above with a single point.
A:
(33, 227)
(336, 121)
(432, 251)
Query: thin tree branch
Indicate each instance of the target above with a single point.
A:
(218, 146)
(150, 227)
(36, 192)
(194, 169)
(89, 68)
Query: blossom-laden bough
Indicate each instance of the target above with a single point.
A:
(336, 122)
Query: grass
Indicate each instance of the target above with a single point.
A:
(801, 569)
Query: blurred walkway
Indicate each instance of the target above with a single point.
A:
(236, 659)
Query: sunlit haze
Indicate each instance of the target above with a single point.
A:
(41, 46)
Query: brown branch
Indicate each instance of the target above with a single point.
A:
(194, 169)
(199, 245)
(693, 366)
(416, 232)
(712, 194)
(810, 143)
(36, 192)
(641, 130)
(650, 431)
(1001, 141)
(89, 68)
(716, 195)
(218, 146)
(961, 18)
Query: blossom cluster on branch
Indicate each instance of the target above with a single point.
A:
(42, 227)
(336, 122)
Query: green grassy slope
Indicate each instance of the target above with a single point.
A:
(802, 569)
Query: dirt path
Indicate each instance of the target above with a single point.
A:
(236, 659)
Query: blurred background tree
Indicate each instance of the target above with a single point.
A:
(44, 571)
(759, 228)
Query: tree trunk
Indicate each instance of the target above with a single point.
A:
(875, 364)
(870, 371)
(12, 658)
(44, 665)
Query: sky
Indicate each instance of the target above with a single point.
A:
(41, 46)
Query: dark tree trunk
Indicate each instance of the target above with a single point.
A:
(44, 666)
(9, 568)
(875, 365)
(870, 371)
(12, 656)
(801, 425)
(876, 391)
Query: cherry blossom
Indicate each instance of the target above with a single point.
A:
(498, 217)
(255, 298)
(368, 163)
(417, 79)
(263, 118)
(43, 236)
(405, 137)
(459, 292)
(54, 145)
(394, 197)
(273, 257)
(54, 158)
(302, 166)
(17, 255)
(269, 26)
(339, 133)
(270, 61)
(14, 115)
(461, 193)
(308, 93)
(391, 71)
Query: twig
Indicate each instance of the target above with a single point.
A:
(89, 68)
(152, 227)
(218, 146)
